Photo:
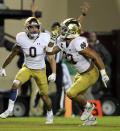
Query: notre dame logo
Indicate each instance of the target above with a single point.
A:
(83, 45)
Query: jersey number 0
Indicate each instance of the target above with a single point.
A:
(32, 51)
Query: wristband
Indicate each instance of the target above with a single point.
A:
(49, 49)
(54, 74)
(103, 72)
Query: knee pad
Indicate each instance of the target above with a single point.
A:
(16, 83)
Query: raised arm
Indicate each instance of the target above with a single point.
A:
(84, 10)
(52, 50)
(33, 8)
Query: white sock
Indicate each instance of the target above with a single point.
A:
(91, 117)
(50, 112)
(11, 105)
(87, 105)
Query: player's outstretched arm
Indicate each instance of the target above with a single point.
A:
(14, 52)
(84, 10)
(93, 55)
(51, 50)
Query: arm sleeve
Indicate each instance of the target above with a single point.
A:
(47, 39)
(18, 40)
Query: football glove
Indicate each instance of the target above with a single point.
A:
(54, 35)
(105, 77)
(52, 77)
(2, 72)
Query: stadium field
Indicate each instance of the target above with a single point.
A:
(60, 124)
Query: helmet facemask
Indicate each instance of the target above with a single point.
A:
(70, 29)
(33, 28)
(63, 31)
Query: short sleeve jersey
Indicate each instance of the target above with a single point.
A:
(34, 50)
(79, 62)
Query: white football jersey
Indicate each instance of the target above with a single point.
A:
(33, 50)
(79, 62)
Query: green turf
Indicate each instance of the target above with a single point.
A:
(60, 124)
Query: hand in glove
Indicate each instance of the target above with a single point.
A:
(52, 77)
(54, 35)
(2, 72)
(105, 77)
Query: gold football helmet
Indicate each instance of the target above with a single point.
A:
(30, 22)
(70, 28)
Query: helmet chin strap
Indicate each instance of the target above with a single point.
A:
(33, 36)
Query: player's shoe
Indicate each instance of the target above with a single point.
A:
(5, 114)
(60, 112)
(90, 122)
(87, 112)
(49, 119)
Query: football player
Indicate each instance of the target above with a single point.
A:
(33, 43)
(55, 28)
(54, 35)
(81, 57)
